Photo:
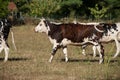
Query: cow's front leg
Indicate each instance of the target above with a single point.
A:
(65, 53)
(55, 48)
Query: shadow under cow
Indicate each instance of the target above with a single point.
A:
(86, 60)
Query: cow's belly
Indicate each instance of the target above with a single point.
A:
(65, 41)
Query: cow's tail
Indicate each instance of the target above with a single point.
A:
(98, 29)
(13, 40)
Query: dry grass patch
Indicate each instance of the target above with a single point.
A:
(30, 61)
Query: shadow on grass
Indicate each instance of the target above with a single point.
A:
(15, 59)
(97, 55)
(80, 60)
(86, 60)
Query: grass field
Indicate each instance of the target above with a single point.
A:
(30, 61)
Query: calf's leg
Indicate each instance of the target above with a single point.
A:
(65, 53)
(100, 49)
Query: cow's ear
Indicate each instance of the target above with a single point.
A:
(43, 18)
(46, 24)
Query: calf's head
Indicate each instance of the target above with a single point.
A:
(42, 26)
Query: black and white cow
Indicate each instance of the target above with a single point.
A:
(60, 35)
(112, 33)
(5, 26)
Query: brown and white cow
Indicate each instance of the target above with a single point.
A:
(112, 33)
(60, 35)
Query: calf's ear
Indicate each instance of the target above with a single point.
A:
(43, 18)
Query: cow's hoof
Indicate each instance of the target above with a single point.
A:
(101, 61)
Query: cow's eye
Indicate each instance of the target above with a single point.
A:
(40, 24)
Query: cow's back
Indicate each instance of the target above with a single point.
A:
(77, 32)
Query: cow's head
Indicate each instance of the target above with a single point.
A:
(42, 26)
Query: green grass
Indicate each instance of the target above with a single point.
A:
(30, 61)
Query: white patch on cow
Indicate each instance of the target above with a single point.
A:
(55, 23)
(95, 26)
(48, 28)
(93, 37)
(90, 23)
(65, 41)
(53, 41)
(75, 21)
(86, 39)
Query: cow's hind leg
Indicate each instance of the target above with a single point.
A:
(65, 53)
(94, 51)
(100, 49)
(55, 48)
(83, 49)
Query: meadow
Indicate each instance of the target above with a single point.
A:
(30, 60)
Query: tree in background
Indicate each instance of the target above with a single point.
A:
(43, 8)
(3, 8)
(83, 9)
(69, 8)
(98, 13)
(23, 6)
(114, 8)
